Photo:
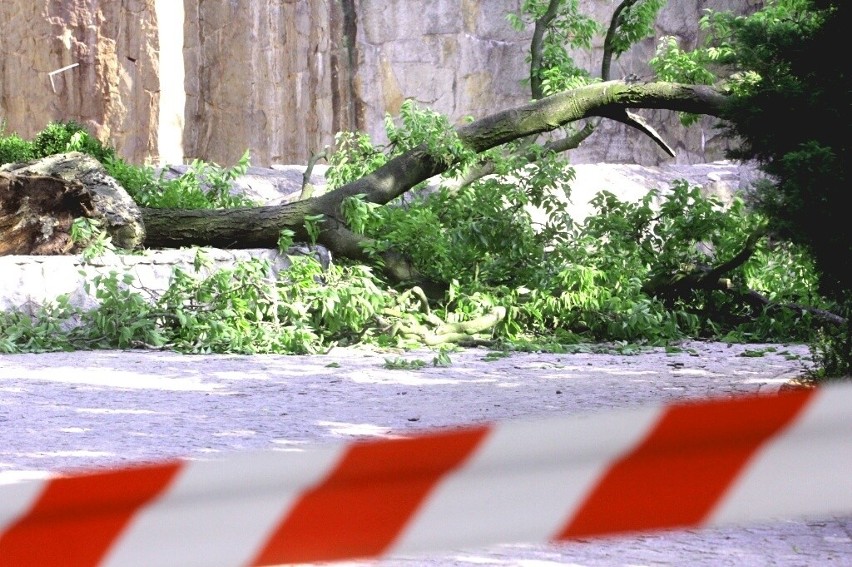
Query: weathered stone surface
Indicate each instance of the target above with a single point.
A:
(722, 180)
(165, 79)
(258, 77)
(27, 282)
(106, 198)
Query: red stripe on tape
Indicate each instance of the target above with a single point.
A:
(677, 475)
(76, 520)
(364, 503)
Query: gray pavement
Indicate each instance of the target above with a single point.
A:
(66, 411)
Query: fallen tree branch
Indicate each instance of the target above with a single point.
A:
(820, 314)
(443, 332)
(260, 227)
(682, 283)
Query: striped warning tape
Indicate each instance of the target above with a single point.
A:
(688, 464)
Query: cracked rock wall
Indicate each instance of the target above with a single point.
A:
(114, 90)
(167, 81)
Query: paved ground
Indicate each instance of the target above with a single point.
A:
(70, 410)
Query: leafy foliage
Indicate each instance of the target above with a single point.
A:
(635, 23)
(244, 309)
(791, 113)
(569, 29)
(13, 148)
(357, 156)
(89, 235)
(791, 47)
(673, 64)
(509, 241)
(203, 186)
(70, 136)
(354, 158)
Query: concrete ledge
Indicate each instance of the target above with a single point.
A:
(29, 281)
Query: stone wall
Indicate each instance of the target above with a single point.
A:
(167, 81)
(33, 281)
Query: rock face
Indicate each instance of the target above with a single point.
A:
(277, 185)
(164, 79)
(722, 180)
(115, 88)
(80, 187)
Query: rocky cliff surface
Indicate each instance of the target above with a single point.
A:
(163, 80)
(114, 90)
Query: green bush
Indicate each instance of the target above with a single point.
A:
(187, 191)
(61, 137)
(14, 149)
(204, 186)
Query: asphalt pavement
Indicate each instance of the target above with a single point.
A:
(84, 410)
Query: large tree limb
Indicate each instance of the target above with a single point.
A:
(544, 115)
(681, 283)
(573, 141)
(820, 314)
(260, 226)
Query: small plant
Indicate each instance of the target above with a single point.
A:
(285, 240)
(123, 319)
(355, 157)
(138, 181)
(203, 186)
(89, 235)
(70, 136)
(13, 148)
(45, 329)
(312, 225)
(399, 363)
(495, 355)
(442, 359)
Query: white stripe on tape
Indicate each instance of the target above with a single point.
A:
(806, 471)
(524, 480)
(223, 511)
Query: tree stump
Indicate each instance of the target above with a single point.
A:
(36, 213)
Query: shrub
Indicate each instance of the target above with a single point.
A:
(61, 137)
(14, 149)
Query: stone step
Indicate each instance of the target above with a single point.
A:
(29, 281)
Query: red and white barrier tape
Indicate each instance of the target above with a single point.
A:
(688, 464)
